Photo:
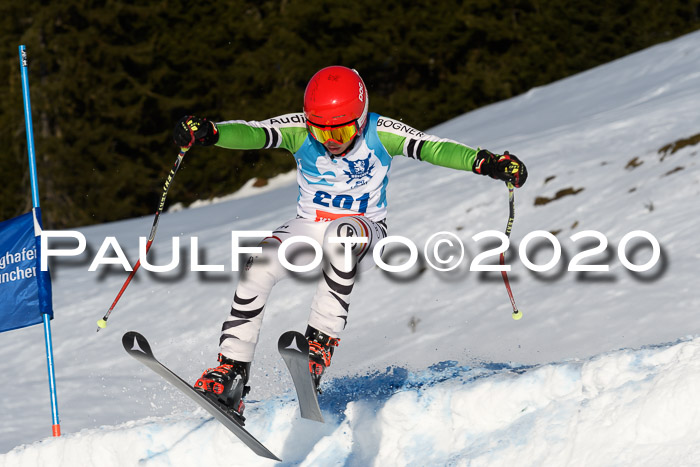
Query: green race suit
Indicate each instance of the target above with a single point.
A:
(355, 184)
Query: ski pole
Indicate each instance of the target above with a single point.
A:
(517, 314)
(101, 324)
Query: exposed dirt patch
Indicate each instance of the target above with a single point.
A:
(542, 200)
(670, 148)
(677, 169)
(632, 163)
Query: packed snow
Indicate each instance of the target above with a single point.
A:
(603, 369)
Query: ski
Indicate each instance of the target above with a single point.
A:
(138, 347)
(294, 349)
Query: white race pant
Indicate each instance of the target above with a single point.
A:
(329, 308)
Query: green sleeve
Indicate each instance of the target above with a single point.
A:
(393, 143)
(240, 135)
(449, 154)
(401, 140)
(293, 138)
(286, 132)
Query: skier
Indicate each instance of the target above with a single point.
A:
(343, 155)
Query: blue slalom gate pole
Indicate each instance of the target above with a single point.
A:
(56, 428)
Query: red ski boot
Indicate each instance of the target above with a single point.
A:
(321, 348)
(226, 383)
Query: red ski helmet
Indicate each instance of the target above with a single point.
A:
(336, 96)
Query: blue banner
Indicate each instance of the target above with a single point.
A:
(25, 291)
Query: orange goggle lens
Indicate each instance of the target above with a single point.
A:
(340, 135)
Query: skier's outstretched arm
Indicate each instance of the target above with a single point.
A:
(400, 139)
(286, 131)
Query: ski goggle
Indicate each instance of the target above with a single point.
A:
(340, 134)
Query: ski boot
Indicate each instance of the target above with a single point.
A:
(226, 384)
(321, 348)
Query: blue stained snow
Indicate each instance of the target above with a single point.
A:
(371, 392)
(378, 386)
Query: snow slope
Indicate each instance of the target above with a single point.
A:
(623, 408)
(431, 369)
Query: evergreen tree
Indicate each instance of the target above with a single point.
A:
(110, 78)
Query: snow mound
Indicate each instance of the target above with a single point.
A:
(628, 407)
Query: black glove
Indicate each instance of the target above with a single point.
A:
(505, 167)
(191, 130)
